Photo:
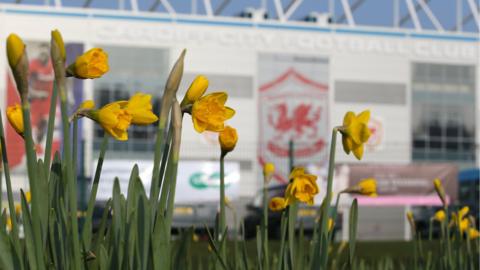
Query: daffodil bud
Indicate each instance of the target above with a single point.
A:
(57, 41)
(277, 204)
(196, 90)
(330, 224)
(411, 220)
(18, 61)
(439, 216)
(228, 139)
(440, 190)
(15, 49)
(268, 171)
(90, 65)
(15, 118)
(367, 187)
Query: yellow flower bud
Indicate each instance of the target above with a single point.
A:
(228, 139)
(90, 65)
(57, 37)
(15, 49)
(268, 171)
(277, 204)
(18, 209)
(9, 224)
(196, 90)
(440, 216)
(15, 118)
(463, 212)
(411, 220)
(440, 191)
(28, 196)
(330, 224)
(87, 105)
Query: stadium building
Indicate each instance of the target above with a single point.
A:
(288, 80)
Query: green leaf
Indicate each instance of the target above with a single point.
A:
(6, 252)
(29, 239)
(352, 236)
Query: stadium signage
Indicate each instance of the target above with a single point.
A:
(286, 40)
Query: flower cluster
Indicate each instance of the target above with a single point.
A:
(302, 188)
(210, 113)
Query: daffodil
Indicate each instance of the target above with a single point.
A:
(440, 190)
(303, 187)
(268, 171)
(463, 225)
(28, 196)
(330, 224)
(15, 118)
(139, 106)
(367, 187)
(355, 132)
(9, 224)
(196, 90)
(439, 216)
(15, 49)
(473, 233)
(277, 204)
(90, 65)
(57, 38)
(210, 112)
(113, 119)
(228, 139)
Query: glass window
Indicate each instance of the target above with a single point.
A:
(132, 70)
(443, 112)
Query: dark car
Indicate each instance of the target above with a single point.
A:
(306, 215)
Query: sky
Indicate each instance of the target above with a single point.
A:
(371, 12)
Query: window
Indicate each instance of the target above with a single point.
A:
(132, 70)
(443, 112)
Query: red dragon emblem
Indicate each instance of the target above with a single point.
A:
(293, 107)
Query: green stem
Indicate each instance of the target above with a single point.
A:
(222, 221)
(265, 257)
(75, 147)
(334, 217)
(324, 219)
(430, 228)
(449, 245)
(36, 196)
(51, 126)
(93, 193)
(71, 180)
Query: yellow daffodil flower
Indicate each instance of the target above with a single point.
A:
(463, 225)
(268, 171)
(57, 37)
(440, 190)
(330, 224)
(15, 49)
(9, 224)
(439, 216)
(303, 187)
(210, 112)
(367, 187)
(277, 204)
(355, 132)
(473, 233)
(114, 120)
(28, 196)
(90, 65)
(463, 212)
(18, 209)
(139, 106)
(15, 118)
(196, 90)
(228, 139)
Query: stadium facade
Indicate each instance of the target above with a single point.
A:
(287, 81)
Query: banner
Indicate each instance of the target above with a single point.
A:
(293, 106)
(197, 181)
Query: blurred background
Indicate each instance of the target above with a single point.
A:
(292, 69)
